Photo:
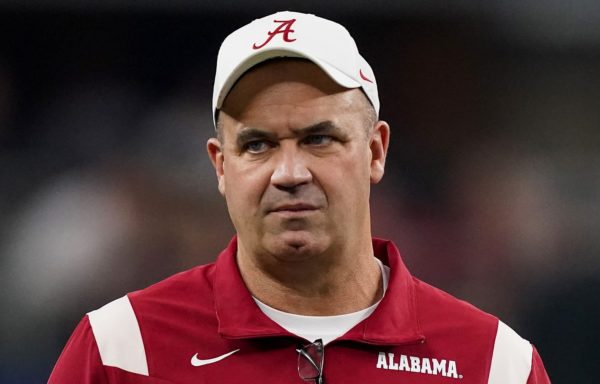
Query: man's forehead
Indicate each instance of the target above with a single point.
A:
(282, 124)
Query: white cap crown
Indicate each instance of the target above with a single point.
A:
(293, 34)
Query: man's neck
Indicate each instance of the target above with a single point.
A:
(344, 284)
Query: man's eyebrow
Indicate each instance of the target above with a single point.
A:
(249, 134)
(326, 126)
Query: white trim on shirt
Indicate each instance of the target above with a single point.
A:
(118, 336)
(511, 359)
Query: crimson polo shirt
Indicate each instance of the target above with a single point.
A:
(203, 326)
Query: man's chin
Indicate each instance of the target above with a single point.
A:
(296, 245)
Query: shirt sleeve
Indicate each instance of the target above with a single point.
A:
(538, 374)
(79, 362)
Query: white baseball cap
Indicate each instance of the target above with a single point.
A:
(293, 34)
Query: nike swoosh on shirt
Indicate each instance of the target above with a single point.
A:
(196, 362)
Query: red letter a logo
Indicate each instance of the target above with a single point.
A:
(284, 27)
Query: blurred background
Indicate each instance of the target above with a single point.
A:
(492, 189)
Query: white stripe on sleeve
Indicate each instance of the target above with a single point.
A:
(118, 336)
(511, 359)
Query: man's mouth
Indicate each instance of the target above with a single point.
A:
(294, 208)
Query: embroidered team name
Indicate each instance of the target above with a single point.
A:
(446, 368)
(284, 28)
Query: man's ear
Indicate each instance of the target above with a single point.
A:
(215, 153)
(378, 144)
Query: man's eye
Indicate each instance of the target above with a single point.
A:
(257, 146)
(318, 140)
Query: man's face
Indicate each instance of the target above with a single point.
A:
(296, 159)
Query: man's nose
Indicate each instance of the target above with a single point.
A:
(290, 168)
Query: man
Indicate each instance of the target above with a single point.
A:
(302, 292)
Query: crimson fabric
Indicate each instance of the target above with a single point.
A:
(417, 334)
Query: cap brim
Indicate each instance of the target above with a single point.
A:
(336, 75)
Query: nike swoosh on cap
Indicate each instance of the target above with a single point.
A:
(362, 76)
(196, 362)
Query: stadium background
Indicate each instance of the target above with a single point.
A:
(492, 189)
